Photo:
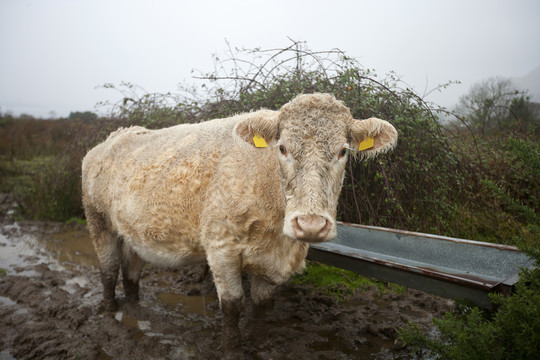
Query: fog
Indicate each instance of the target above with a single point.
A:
(56, 54)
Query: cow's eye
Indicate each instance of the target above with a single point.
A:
(343, 152)
(283, 150)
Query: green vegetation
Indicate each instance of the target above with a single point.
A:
(338, 283)
(40, 163)
(86, 116)
(3, 272)
(505, 130)
(512, 332)
(474, 177)
(76, 220)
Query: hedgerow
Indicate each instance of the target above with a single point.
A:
(436, 180)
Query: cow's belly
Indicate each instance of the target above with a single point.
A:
(168, 252)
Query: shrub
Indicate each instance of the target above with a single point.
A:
(512, 332)
(44, 173)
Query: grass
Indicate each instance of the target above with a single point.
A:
(338, 283)
(76, 220)
(3, 272)
(44, 187)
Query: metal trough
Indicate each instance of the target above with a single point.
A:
(448, 267)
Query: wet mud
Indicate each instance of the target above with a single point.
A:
(49, 309)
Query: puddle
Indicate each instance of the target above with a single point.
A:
(5, 355)
(412, 313)
(187, 304)
(102, 355)
(19, 252)
(131, 322)
(6, 301)
(67, 251)
(73, 247)
(57, 250)
(144, 328)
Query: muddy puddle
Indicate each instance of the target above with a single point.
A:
(50, 295)
(70, 248)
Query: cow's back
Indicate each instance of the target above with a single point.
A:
(152, 185)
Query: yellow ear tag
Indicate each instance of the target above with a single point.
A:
(366, 144)
(259, 141)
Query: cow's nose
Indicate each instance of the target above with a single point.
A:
(311, 227)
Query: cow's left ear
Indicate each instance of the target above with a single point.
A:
(372, 136)
(258, 128)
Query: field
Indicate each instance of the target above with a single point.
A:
(474, 176)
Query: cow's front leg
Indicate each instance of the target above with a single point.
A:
(261, 293)
(261, 290)
(231, 339)
(227, 272)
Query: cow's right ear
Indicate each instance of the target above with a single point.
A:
(258, 128)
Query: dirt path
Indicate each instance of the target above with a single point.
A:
(50, 294)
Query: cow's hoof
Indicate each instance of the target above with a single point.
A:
(108, 306)
(131, 290)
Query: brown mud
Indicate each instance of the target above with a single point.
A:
(50, 296)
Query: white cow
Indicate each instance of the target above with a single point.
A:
(244, 194)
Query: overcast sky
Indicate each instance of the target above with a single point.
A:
(54, 53)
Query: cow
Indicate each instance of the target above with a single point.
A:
(245, 194)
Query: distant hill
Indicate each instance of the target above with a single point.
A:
(530, 82)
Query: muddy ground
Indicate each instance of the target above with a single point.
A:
(49, 302)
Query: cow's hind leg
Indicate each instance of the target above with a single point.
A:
(132, 266)
(108, 250)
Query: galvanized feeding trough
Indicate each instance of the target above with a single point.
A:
(448, 267)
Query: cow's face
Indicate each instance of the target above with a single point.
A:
(312, 138)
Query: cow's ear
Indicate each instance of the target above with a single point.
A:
(258, 128)
(372, 136)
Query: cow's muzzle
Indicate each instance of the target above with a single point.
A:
(311, 228)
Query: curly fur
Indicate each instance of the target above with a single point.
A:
(203, 192)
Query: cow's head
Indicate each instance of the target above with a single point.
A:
(312, 136)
